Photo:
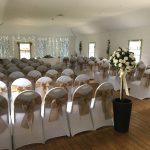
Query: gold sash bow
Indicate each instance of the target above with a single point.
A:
(3, 90)
(78, 83)
(27, 105)
(3, 110)
(105, 72)
(147, 81)
(20, 88)
(28, 118)
(140, 72)
(130, 75)
(106, 102)
(83, 102)
(92, 67)
(65, 85)
(56, 108)
(113, 71)
(45, 88)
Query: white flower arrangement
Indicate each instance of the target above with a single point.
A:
(123, 59)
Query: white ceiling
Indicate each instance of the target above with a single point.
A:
(84, 16)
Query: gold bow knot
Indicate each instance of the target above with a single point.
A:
(28, 118)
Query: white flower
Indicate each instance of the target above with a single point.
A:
(120, 60)
(131, 55)
(128, 67)
(125, 58)
(125, 50)
(127, 63)
(115, 61)
(123, 61)
(113, 54)
(118, 55)
(120, 65)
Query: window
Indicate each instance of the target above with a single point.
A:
(91, 49)
(135, 46)
(25, 50)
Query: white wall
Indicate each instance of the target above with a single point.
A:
(121, 37)
(101, 44)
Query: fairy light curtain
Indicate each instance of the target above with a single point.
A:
(54, 46)
(4, 46)
(41, 46)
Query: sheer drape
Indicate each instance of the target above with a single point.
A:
(41, 46)
(54, 46)
(4, 47)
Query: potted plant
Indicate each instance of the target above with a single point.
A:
(124, 61)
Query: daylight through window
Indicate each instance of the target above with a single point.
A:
(25, 50)
(91, 49)
(135, 47)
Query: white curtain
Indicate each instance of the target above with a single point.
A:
(54, 46)
(4, 47)
(41, 46)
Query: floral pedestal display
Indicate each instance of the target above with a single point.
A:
(124, 61)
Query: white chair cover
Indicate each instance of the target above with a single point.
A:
(139, 71)
(3, 90)
(55, 122)
(13, 69)
(101, 105)
(27, 69)
(68, 72)
(3, 77)
(52, 73)
(43, 85)
(91, 69)
(66, 82)
(115, 81)
(27, 125)
(33, 76)
(82, 78)
(18, 86)
(15, 75)
(3, 70)
(10, 65)
(42, 69)
(80, 118)
(22, 65)
(5, 130)
(35, 65)
(141, 89)
(64, 79)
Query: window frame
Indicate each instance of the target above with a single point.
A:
(94, 48)
(140, 47)
(18, 43)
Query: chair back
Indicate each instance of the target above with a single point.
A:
(55, 99)
(4, 110)
(18, 86)
(26, 102)
(104, 93)
(82, 96)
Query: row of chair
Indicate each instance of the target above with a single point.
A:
(30, 118)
